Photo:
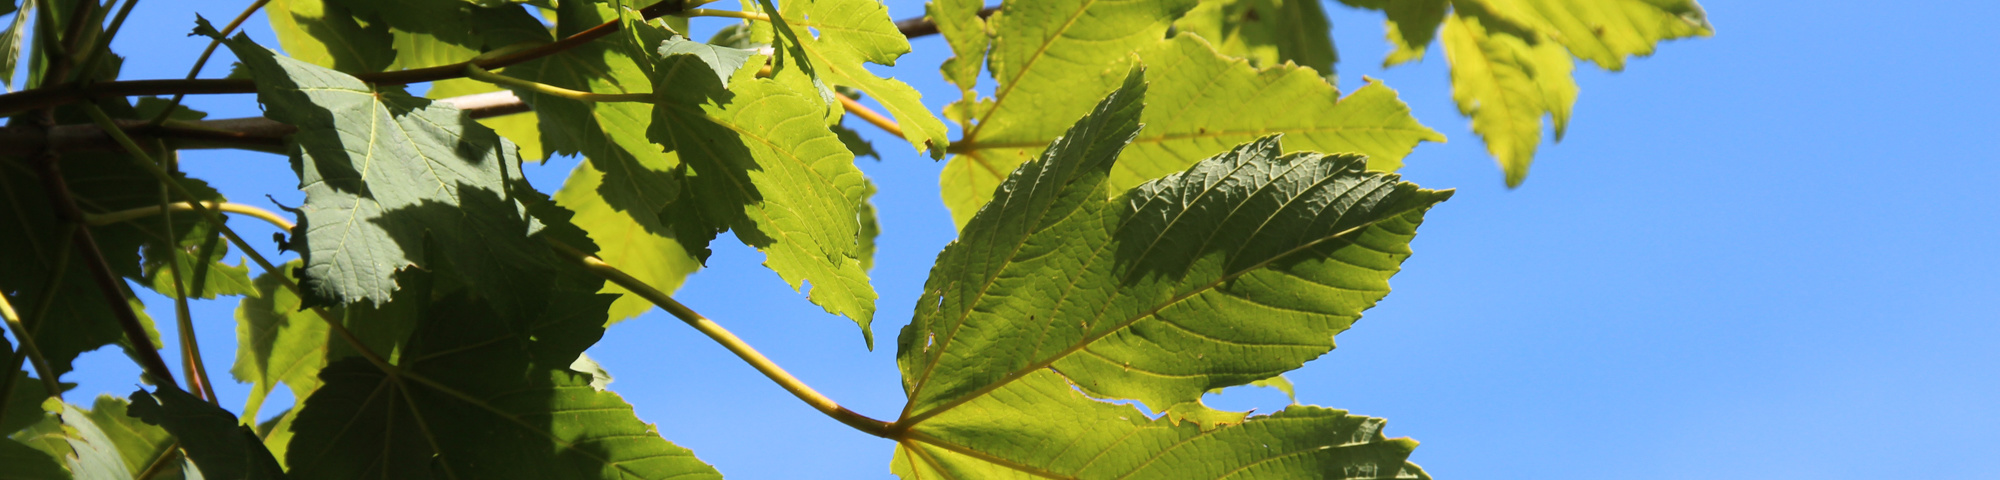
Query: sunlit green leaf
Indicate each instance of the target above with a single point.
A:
(1411, 25)
(325, 33)
(965, 32)
(1240, 268)
(1606, 31)
(1040, 427)
(637, 241)
(1507, 82)
(1207, 103)
(767, 167)
(844, 35)
(1268, 32)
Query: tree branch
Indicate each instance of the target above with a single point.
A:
(62, 94)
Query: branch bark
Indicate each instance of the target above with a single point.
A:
(265, 135)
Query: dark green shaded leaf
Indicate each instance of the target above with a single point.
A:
(24, 463)
(382, 171)
(213, 439)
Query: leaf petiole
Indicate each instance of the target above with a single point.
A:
(473, 71)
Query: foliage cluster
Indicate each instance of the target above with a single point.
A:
(1158, 199)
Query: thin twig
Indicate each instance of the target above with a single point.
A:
(142, 212)
(728, 340)
(61, 94)
(108, 283)
(873, 118)
(203, 59)
(28, 349)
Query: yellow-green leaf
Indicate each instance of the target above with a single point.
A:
(1267, 32)
(1507, 79)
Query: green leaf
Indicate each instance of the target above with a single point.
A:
(382, 171)
(11, 45)
(1606, 31)
(623, 214)
(965, 32)
(638, 242)
(1041, 427)
(76, 319)
(325, 33)
(92, 453)
(1203, 96)
(766, 166)
(25, 463)
(100, 443)
(473, 399)
(1240, 268)
(211, 436)
(524, 129)
(280, 340)
(203, 272)
(427, 33)
(1506, 80)
(871, 227)
(724, 60)
(845, 34)
(1267, 32)
(1412, 24)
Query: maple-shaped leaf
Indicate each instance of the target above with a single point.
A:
(1507, 79)
(626, 181)
(844, 35)
(765, 165)
(1207, 101)
(1237, 269)
(382, 171)
(1267, 32)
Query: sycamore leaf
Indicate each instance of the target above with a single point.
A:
(324, 33)
(1037, 92)
(211, 436)
(1506, 80)
(628, 239)
(621, 189)
(479, 396)
(1606, 31)
(524, 129)
(1040, 427)
(37, 243)
(844, 35)
(1267, 32)
(203, 272)
(1201, 99)
(382, 171)
(965, 32)
(724, 60)
(426, 33)
(100, 443)
(26, 463)
(766, 166)
(1411, 25)
(280, 340)
(1237, 269)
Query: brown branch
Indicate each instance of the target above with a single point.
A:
(62, 94)
(108, 283)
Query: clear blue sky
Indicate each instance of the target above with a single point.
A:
(1767, 254)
